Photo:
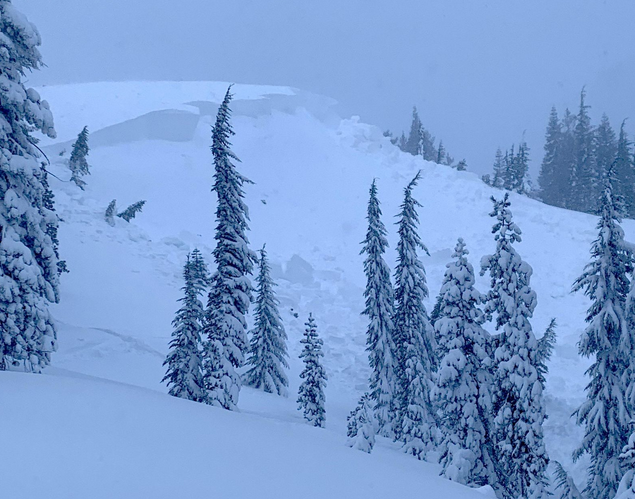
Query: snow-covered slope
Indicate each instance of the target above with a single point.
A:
(105, 440)
(312, 172)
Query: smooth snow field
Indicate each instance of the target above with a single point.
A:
(99, 424)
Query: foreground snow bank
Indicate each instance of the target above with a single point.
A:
(67, 436)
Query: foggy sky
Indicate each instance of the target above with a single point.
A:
(482, 73)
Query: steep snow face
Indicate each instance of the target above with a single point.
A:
(312, 172)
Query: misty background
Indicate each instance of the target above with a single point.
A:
(482, 73)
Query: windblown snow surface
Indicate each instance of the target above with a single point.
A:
(99, 423)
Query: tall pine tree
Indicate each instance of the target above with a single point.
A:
(268, 346)
(415, 337)
(624, 182)
(605, 414)
(379, 309)
(553, 178)
(78, 164)
(28, 263)
(462, 394)
(518, 403)
(568, 159)
(184, 373)
(230, 293)
(413, 143)
(311, 396)
(585, 187)
(605, 147)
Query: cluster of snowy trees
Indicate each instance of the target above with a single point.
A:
(442, 385)
(210, 344)
(420, 142)
(577, 158)
(511, 170)
(128, 214)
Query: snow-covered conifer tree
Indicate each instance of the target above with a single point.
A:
(380, 299)
(461, 165)
(131, 211)
(111, 211)
(627, 344)
(415, 342)
(565, 486)
(605, 144)
(52, 224)
(311, 393)
(230, 294)
(464, 379)
(428, 151)
(585, 188)
(552, 175)
(625, 173)
(184, 374)
(28, 263)
(77, 163)
(567, 159)
(518, 403)
(440, 153)
(268, 346)
(403, 143)
(414, 143)
(361, 425)
(498, 178)
(546, 345)
(606, 413)
(626, 488)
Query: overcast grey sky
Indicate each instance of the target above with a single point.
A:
(482, 72)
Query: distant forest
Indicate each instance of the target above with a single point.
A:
(578, 155)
